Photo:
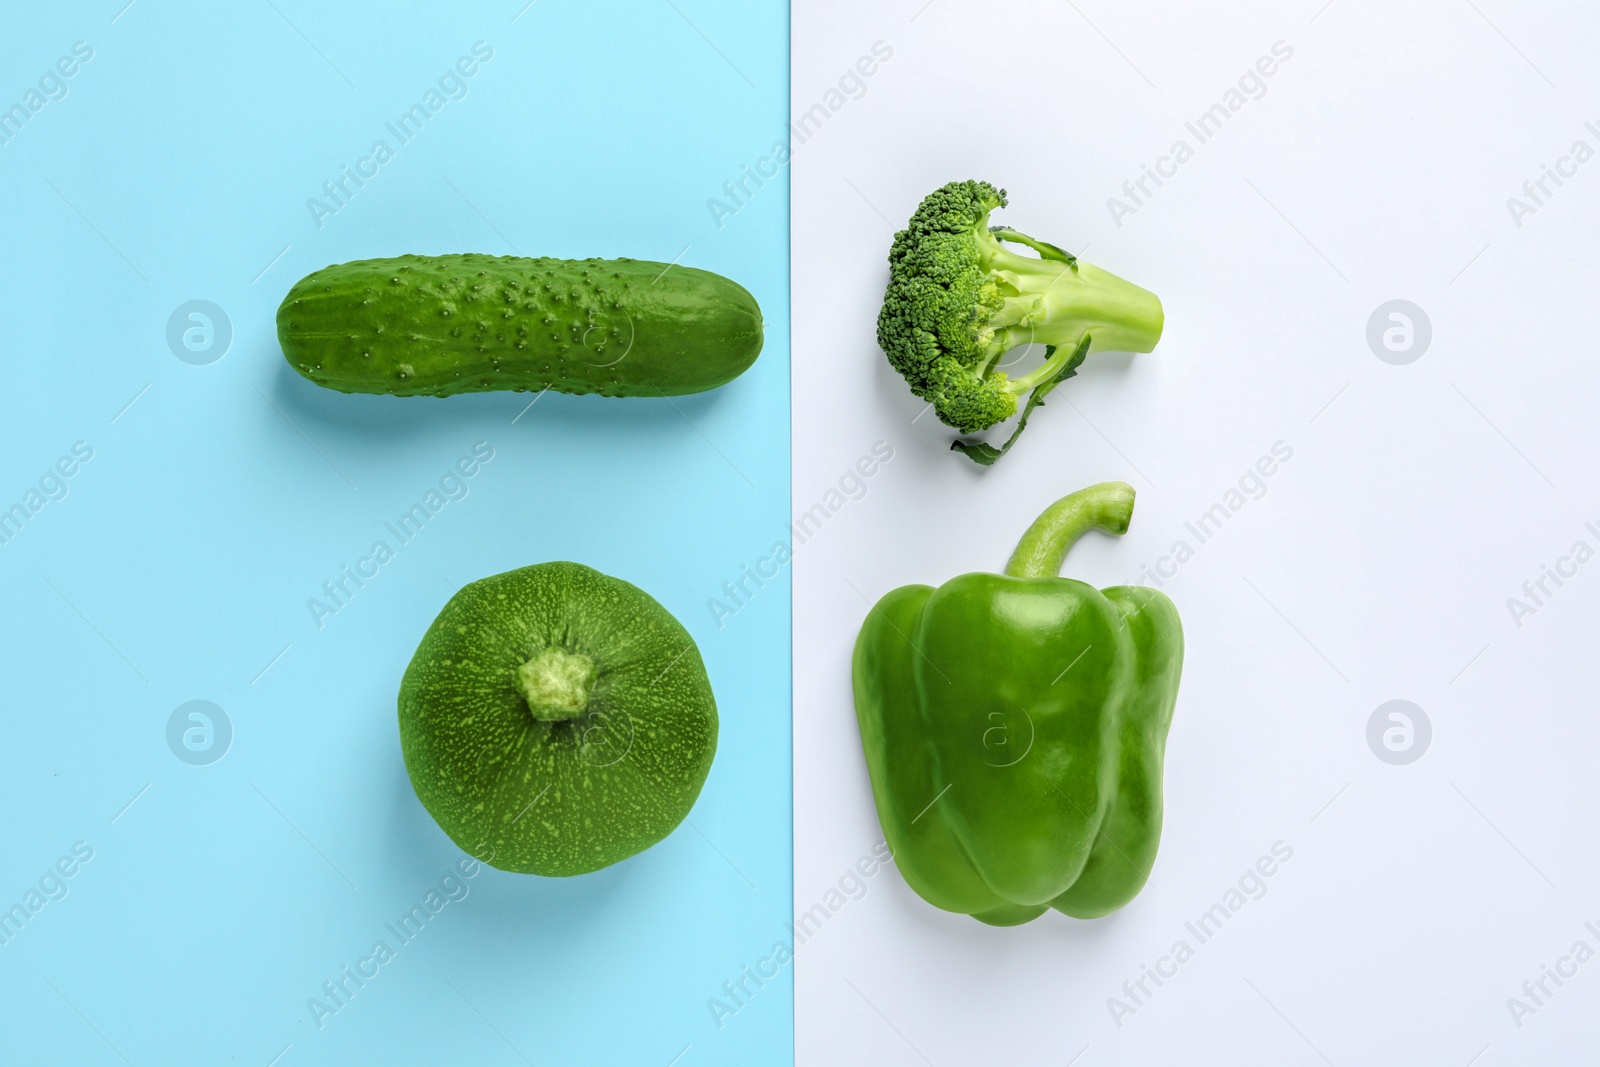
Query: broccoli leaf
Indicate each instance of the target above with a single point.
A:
(985, 454)
(1045, 249)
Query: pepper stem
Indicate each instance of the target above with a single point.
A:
(1107, 506)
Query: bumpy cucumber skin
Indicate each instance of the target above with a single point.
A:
(440, 325)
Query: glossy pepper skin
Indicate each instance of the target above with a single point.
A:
(1015, 725)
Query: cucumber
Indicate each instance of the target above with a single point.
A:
(441, 325)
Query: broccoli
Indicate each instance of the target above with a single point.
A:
(959, 300)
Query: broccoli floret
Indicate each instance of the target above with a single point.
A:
(959, 300)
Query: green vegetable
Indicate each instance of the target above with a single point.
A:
(440, 325)
(959, 300)
(1015, 725)
(986, 454)
(555, 720)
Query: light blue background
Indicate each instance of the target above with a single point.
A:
(177, 167)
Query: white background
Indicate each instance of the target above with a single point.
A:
(1377, 566)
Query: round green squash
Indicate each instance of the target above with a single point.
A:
(441, 325)
(555, 720)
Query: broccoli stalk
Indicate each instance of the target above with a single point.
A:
(959, 299)
(1054, 300)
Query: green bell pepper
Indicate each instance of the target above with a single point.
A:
(1015, 725)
